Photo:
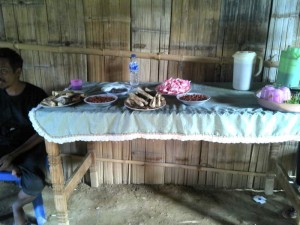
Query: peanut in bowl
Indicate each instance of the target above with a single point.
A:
(192, 99)
(101, 99)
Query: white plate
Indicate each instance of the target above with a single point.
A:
(101, 103)
(66, 105)
(192, 103)
(283, 107)
(139, 108)
(116, 85)
(163, 93)
(119, 93)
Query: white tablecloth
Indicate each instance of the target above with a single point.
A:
(230, 116)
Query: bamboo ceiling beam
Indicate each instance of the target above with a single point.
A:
(126, 54)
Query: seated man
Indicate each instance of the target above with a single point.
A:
(22, 150)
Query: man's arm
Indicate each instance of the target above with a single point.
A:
(6, 160)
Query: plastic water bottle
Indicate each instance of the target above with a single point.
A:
(134, 69)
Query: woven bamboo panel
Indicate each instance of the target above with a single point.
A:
(108, 26)
(283, 32)
(242, 29)
(194, 32)
(167, 162)
(150, 33)
(214, 28)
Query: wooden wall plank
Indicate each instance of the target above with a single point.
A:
(261, 165)
(126, 168)
(10, 26)
(241, 22)
(203, 162)
(108, 26)
(108, 170)
(236, 157)
(2, 26)
(150, 32)
(54, 17)
(117, 167)
(283, 31)
(155, 152)
(176, 154)
(138, 153)
(100, 165)
(169, 159)
(192, 151)
(116, 17)
(288, 157)
(211, 177)
(240, 162)
(227, 158)
(194, 32)
(93, 11)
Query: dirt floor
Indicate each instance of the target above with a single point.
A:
(157, 204)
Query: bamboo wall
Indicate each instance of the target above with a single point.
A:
(200, 28)
(176, 162)
(193, 39)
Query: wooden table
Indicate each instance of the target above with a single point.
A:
(117, 123)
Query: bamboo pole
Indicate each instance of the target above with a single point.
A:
(77, 175)
(196, 167)
(125, 54)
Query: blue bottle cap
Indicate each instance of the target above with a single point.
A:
(133, 55)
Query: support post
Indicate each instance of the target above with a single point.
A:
(93, 169)
(58, 182)
(271, 169)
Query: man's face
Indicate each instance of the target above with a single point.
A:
(8, 77)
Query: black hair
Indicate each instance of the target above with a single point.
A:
(14, 59)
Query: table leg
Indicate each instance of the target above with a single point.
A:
(58, 182)
(271, 169)
(93, 169)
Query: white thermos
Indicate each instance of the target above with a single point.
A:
(243, 69)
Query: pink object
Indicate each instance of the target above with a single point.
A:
(276, 95)
(286, 93)
(266, 92)
(76, 84)
(174, 86)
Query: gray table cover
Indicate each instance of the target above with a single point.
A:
(230, 116)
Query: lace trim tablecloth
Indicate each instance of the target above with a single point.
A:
(230, 116)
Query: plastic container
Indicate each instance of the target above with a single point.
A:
(266, 91)
(243, 69)
(289, 68)
(277, 95)
(76, 84)
(287, 95)
(134, 71)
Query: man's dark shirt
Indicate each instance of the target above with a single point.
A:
(15, 125)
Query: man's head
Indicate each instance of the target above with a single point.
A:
(11, 64)
(14, 59)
